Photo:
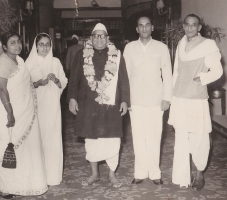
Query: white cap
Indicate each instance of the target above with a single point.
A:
(75, 36)
(99, 27)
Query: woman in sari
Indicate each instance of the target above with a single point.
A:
(49, 80)
(18, 112)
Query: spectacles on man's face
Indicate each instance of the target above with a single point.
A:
(101, 36)
(42, 45)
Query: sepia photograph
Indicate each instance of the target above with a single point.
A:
(113, 99)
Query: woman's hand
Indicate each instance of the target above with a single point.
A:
(51, 76)
(11, 120)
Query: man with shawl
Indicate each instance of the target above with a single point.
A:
(197, 64)
(98, 94)
(49, 80)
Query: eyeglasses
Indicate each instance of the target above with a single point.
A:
(47, 45)
(102, 36)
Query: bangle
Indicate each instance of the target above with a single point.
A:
(6, 103)
(56, 80)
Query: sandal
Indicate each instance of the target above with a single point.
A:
(115, 182)
(90, 180)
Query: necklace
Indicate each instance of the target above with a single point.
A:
(109, 70)
(15, 61)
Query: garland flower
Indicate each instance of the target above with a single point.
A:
(110, 70)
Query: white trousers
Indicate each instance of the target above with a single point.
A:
(146, 123)
(198, 144)
(103, 149)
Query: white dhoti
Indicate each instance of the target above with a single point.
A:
(191, 120)
(146, 125)
(103, 149)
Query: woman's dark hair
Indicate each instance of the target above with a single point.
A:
(6, 36)
(40, 36)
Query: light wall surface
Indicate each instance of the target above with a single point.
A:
(86, 3)
(214, 13)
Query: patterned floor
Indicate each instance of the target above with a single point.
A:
(76, 169)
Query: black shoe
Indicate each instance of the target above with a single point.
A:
(137, 181)
(9, 196)
(198, 184)
(158, 181)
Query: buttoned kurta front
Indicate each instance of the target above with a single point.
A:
(150, 77)
(150, 73)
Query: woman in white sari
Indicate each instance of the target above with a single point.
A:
(49, 80)
(18, 112)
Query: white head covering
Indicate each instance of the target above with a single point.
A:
(75, 36)
(101, 27)
(36, 63)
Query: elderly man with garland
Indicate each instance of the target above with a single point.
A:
(99, 96)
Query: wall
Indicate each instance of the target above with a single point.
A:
(46, 19)
(86, 3)
(214, 13)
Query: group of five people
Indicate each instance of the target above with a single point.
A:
(103, 85)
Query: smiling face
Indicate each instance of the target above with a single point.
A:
(99, 39)
(191, 27)
(43, 46)
(13, 46)
(144, 27)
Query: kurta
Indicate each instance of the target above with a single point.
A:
(193, 111)
(150, 76)
(189, 112)
(96, 120)
(29, 177)
(150, 73)
(49, 111)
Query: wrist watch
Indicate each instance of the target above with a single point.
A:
(56, 80)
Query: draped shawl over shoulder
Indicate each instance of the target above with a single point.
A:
(29, 177)
(49, 110)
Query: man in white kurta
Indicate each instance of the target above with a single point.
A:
(150, 76)
(197, 63)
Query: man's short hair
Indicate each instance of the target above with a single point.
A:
(193, 15)
(141, 16)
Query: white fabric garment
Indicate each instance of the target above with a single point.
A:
(191, 117)
(144, 47)
(150, 73)
(99, 27)
(110, 91)
(49, 110)
(29, 177)
(207, 49)
(103, 149)
(146, 125)
(185, 143)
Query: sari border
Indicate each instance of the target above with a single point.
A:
(29, 128)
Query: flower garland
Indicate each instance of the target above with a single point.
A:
(110, 70)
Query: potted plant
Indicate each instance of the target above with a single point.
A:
(8, 18)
